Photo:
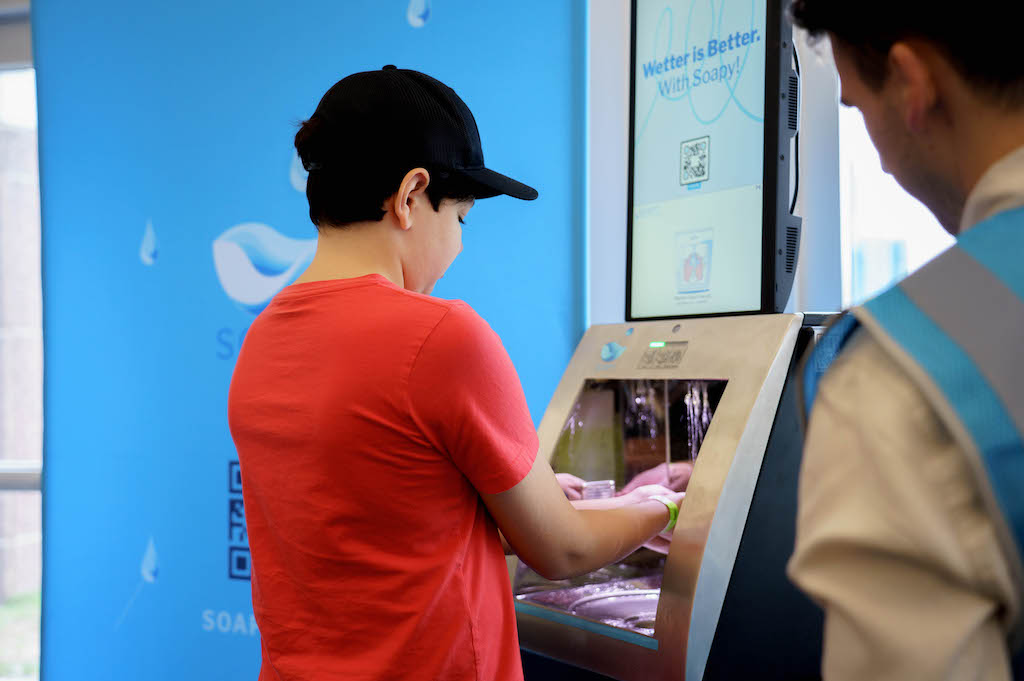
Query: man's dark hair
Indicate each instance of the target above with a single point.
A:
(342, 190)
(980, 38)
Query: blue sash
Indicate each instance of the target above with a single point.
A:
(957, 327)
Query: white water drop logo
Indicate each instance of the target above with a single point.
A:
(148, 250)
(150, 567)
(297, 174)
(418, 13)
(149, 570)
(254, 262)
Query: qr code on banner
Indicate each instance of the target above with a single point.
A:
(694, 159)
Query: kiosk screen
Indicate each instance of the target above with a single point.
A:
(697, 166)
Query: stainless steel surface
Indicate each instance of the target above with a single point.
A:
(633, 610)
(731, 515)
(752, 353)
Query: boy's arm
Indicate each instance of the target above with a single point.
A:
(659, 543)
(558, 540)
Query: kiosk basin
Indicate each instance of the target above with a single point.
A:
(627, 609)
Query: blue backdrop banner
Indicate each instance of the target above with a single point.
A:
(173, 210)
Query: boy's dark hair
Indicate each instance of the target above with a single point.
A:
(977, 38)
(341, 192)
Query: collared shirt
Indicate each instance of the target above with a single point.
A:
(893, 538)
(1000, 189)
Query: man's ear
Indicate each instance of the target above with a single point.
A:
(412, 189)
(912, 73)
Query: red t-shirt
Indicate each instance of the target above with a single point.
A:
(367, 420)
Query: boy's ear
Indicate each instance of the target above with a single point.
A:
(412, 189)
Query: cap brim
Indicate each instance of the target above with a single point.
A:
(494, 184)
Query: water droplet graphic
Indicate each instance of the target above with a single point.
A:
(147, 250)
(150, 567)
(611, 352)
(418, 13)
(629, 331)
(298, 174)
(149, 570)
(254, 262)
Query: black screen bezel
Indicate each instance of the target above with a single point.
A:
(770, 193)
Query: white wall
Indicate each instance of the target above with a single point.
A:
(818, 284)
(609, 113)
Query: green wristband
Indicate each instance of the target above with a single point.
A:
(673, 511)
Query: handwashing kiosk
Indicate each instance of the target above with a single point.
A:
(701, 373)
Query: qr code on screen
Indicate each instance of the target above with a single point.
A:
(694, 159)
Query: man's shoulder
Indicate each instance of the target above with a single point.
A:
(862, 357)
(868, 384)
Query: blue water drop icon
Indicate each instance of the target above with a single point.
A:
(297, 174)
(611, 352)
(418, 13)
(150, 567)
(629, 331)
(147, 250)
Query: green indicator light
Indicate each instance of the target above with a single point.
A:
(657, 344)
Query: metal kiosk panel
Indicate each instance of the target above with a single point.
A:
(752, 355)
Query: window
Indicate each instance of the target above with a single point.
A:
(887, 233)
(21, 379)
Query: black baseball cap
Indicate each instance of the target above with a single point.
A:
(408, 116)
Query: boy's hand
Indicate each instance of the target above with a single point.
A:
(571, 485)
(663, 541)
(645, 492)
(675, 476)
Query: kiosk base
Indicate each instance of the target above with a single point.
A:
(540, 668)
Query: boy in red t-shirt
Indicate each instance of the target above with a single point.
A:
(383, 434)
